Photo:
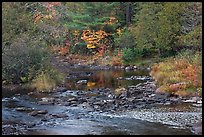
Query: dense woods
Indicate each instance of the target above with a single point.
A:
(122, 32)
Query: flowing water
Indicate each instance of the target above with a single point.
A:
(79, 120)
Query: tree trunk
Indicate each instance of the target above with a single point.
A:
(127, 13)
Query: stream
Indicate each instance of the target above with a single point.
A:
(73, 110)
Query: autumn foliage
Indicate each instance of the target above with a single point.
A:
(178, 76)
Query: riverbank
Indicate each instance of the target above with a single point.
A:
(136, 101)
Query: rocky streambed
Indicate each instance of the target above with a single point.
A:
(117, 106)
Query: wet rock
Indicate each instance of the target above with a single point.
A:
(72, 99)
(197, 128)
(152, 95)
(36, 112)
(175, 100)
(46, 101)
(60, 89)
(33, 113)
(111, 96)
(59, 115)
(128, 68)
(119, 78)
(82, 82)
(122, 67)
(44, 119)
(161, 95)
(82, 100)
(167, 103)
(199, 102)
(98, 103)
(197, 105)
(31, 125)
(23, 109)
(123, 95)
(145, 78)
(189, 101)
(96, 107)
(196, 98)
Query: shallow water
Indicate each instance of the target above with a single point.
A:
(83, 121)
(103, 78)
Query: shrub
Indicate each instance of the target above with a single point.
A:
(22, 60)
(80, 48)
(180, 75)
(130, 54)
(125, 40)
(47, 79)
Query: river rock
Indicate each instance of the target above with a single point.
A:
(46, 101)
(60, 115)
(72, 99)
(36, 112)
(175, 100)
(128, 68)
(23, 109)
(160, 95)
(197, 105)
(82, 82)
(199, 102)
(60, 89)
(197, 128)
(189, 101)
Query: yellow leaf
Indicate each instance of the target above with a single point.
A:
(90, 46)
(91, 84)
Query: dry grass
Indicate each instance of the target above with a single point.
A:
(179, 76)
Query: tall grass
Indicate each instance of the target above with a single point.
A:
(181, 75)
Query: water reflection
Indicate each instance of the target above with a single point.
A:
(104, 79)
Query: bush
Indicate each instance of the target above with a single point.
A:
(181, 75)
(129, 54)
(22, 60)
(47, 79)
(80, 48)
(126, 40)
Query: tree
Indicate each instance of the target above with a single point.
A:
(159, 26)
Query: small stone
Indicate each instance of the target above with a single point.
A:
(23, 109)
(45, 103)
(96, 106)
(42, 111)
(167, 103)
(36, 112)
(197, 105)
(82, 82)
(72, 99)
(33, 113)
(189, 101)
(199, 102)
(59, 115)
